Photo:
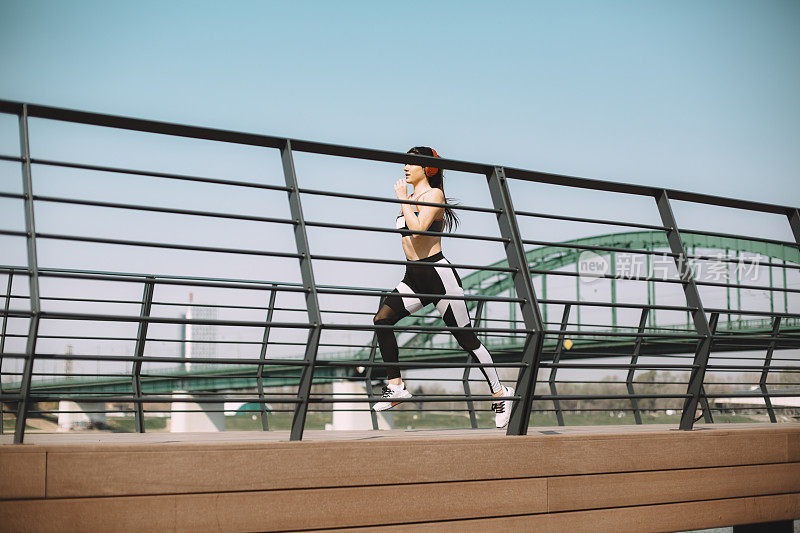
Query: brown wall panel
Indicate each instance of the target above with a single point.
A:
(91, 514)
(22, 473)
(641, 488)
(793, 445)
(668, 517)
(285, 509)
(148, 469)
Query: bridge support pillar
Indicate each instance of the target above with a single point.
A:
(356, 415)
(79, 415)
(196, 417)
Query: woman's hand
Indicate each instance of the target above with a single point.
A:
(401, 189)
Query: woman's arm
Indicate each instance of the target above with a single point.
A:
(427, 213)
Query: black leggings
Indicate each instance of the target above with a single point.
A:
(432, 275)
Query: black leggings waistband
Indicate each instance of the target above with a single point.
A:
(432, 259)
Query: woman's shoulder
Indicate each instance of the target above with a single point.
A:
(434, 194)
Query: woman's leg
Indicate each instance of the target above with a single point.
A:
(455, 314)
(397, 305)
(470, 343)
(387, 341)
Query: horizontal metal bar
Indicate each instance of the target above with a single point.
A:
(753, 261)
(414, 263)
(257, 362)
(659, 280)
(222, 399)
(12, 195)
(745, 237)
(755, 368)
(740, 286)
(161, 278)
(619, 334)
(149, 399)
(591, 221)
(601, 276)
(556, 244)
(417, 398)
(176, 280)
(161, 359)
(618, 365)
(752, 395)
(415, 327)
(164, 304)
(386, 199)
(423, 295)
(617, 304)
(60, 315)
(170, 210)
(640, 190)
(149, 244)
(723, 311)
(96, 119)
(405, 231)
(725, 335)
(606, 397)
(154, 174)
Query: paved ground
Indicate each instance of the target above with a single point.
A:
(88, 437)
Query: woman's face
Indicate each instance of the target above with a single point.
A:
(414, 174)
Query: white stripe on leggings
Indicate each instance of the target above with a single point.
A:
(485, 357)
(411, 303)
(452, 288)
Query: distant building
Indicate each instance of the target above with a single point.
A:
(198, 339)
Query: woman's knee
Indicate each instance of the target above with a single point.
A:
(385, 316)
(467, 340)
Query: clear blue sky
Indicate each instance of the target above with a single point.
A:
(685, 94)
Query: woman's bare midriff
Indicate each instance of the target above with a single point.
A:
(421, 246)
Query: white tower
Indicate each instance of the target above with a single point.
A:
(199, 337)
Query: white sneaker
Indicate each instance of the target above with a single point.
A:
(392, 394)
(503, 409)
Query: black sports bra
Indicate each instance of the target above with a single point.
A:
(437, 225)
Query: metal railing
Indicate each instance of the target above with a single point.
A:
(526, 340)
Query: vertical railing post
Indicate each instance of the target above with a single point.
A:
(578, 291)
(785, 292)
(531, 315)
(473, 419)
(544, 297)
(637, 349)
(373, 348)
(141, 339)
(713, 321)
(310, 286)
(556, 360)
(738, 271)
(728, 286)
(33, 278)
(262, 356)
(3, 340)
(794, 222)
(776, 326)
(698, 314)
(612, 257)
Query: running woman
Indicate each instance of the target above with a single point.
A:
(430, 274)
